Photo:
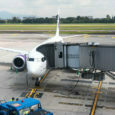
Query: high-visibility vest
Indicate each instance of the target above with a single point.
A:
(10, 99)
(26, 112)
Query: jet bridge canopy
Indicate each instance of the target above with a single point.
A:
(48, 51)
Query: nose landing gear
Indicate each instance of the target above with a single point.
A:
(37, 83)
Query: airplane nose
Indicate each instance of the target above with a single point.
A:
(31, 71)
(36, 67)
(34, 72)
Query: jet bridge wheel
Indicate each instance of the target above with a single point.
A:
(37, 83)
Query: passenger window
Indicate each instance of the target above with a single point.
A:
(43, 59)
(31, 59)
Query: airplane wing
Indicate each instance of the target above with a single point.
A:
(13, 50)
(72, 36)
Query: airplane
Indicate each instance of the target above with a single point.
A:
(34, 61)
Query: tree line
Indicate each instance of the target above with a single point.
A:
(78, 19)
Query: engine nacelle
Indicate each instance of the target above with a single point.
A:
(19, 62)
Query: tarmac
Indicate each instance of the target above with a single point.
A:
(63, 91)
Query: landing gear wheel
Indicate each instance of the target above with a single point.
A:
(37, 83)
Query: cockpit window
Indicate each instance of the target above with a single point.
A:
(31, 59)
(43, 59)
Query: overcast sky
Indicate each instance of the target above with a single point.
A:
(43, 8)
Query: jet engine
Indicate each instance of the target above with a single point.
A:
(19, 62)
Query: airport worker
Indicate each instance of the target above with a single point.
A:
(26, 112)
(12, 99)
(17, 99)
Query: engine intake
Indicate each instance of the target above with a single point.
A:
(19, 62)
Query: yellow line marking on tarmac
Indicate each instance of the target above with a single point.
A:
(113, 37)
(96, 98)
(36, 95)
(86, 36)
(94, 87)
(33, 91)
(27, 94)
(51, 35)
(101, 36)
(44, 77)
(14, 34)
(21, 30)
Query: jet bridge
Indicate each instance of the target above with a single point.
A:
(78, 56)
(101, 57)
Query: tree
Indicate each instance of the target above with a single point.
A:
(108, 17)
(16, 20)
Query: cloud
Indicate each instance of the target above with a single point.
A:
(97, 8)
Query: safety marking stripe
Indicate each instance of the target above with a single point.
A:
(44, 77)
(27, 94)
(96, 98)
(101, 36)
(36, 95)
(86, 36)
(33, 91)
(14, 34)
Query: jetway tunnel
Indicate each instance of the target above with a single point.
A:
(78, 56)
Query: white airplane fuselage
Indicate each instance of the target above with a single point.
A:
(37, 62)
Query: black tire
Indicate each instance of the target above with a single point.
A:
(37, 83)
